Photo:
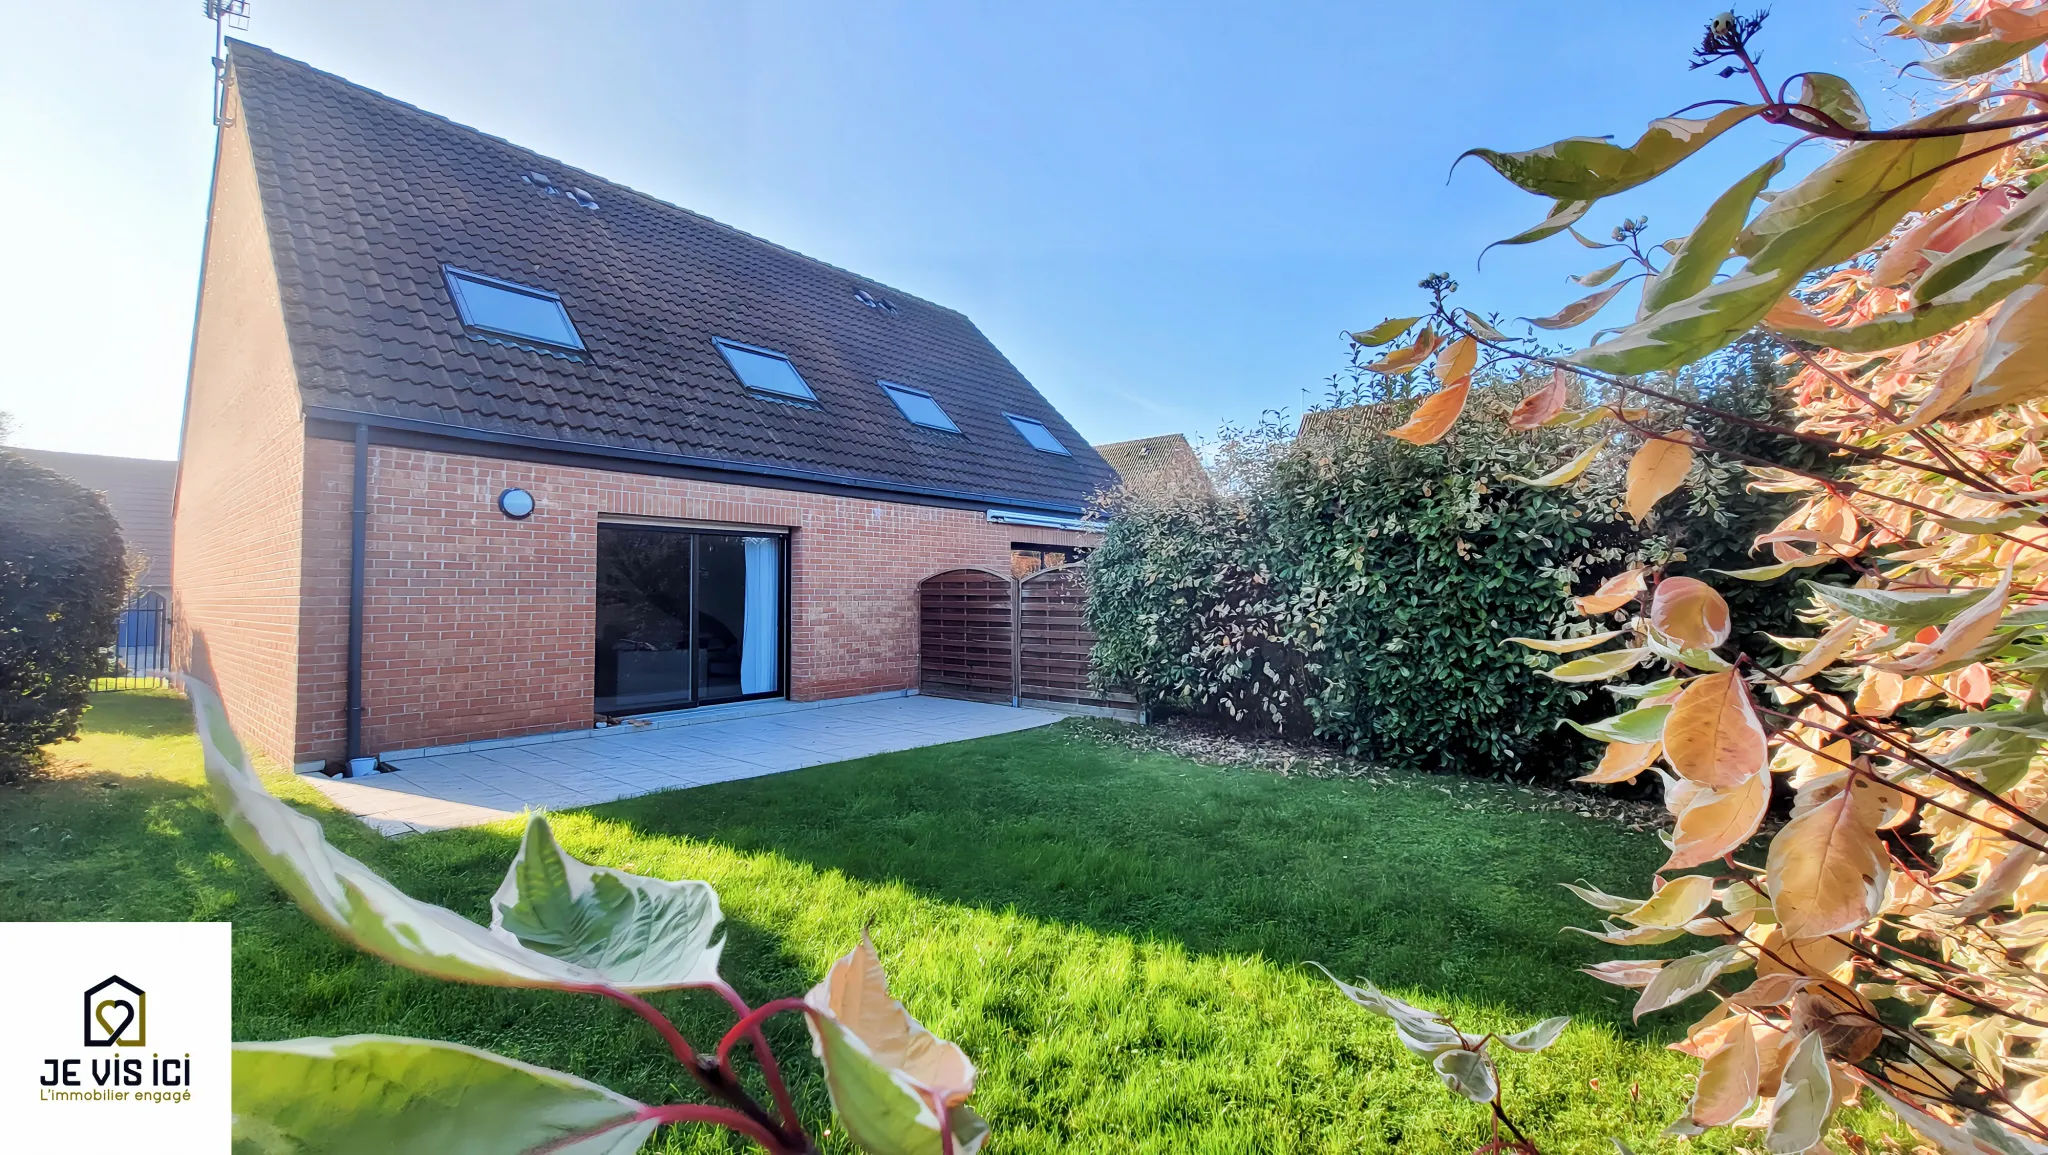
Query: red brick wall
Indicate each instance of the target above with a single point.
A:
(235, 539)
(477, 626)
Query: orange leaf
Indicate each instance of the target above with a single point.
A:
(1656, 469)
(1613, 593)
(1972, 685)
(1538, 408)
(1435, 416)
(1728, 1081)
(1906, 257)
(1716, 822)
(1827, 869)
(1712, 736)
(1689, 612)
(1880, 694)
(1578, 311)
(1454, 364)
(1622, 762)
(1402, 360)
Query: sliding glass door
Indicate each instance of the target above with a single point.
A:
(686, 617)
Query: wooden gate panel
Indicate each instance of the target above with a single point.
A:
(967, 636)
(1055, 644)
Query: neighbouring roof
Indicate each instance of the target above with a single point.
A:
(1150, 461)
(1345, 421)
(367, 198)
(138, 491)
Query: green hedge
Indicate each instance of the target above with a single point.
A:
(1351, 586)
(63, 581)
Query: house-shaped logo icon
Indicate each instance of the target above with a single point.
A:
(116, 1014)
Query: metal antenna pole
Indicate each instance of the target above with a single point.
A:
(225, 14)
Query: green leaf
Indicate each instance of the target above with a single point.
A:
(1683, 978)
(2025, 515)
(1642, 724)
(1536, 1038)
(1851, 200)
(377, 1093)
(1588, 168)
(1836, 97)
(1601, 275)
(1839, 209)
(1997, 758)
(1705, 661)
(1563, 215)
(1600, 899)
(1899, 609)
(1805, 1099)
(1424, 1033)
(880, 1107)
(349, 898)
(1978, 274)
(1568, 472)
(1646, 689)
(1467, 1073)
(1567, 645)
(1711, 242)
(1980, 56)
(1384, 332)
(2010, 721)
(1480, 326)
(638, 933)
(1764, 573)
(1598, 667)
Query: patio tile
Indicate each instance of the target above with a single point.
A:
(472, 787)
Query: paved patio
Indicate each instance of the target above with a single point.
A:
(473, 786)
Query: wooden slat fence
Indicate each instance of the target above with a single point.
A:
(988, 638)
(967, 635)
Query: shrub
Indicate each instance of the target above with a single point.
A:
(1895, 922)
(1355, 586)
(63, 578)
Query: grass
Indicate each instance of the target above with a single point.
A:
(1118, 939)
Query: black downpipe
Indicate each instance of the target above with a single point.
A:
(359, 514)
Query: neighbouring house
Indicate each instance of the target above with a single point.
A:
(1166, 463)
(478, 445)
(138, 492)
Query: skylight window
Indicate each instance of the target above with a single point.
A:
(511, 310)
(919, 407)
(1038, 435)
(765, 371)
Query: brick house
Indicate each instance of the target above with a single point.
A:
(478, 445)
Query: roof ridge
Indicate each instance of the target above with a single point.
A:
(245, 45)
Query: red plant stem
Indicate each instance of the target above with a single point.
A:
(709, 1075)
(763, 1053)
(721, 1116)
(1927, 438)
(1922, 799)
(1905, 752)
(1632, 386)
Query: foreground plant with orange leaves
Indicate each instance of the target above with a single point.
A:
(559, 924)
(1891, 937)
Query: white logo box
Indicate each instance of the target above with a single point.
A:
(114, 1037)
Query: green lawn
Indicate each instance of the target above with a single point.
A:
(1118, 939)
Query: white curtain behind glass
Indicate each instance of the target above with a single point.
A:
(760, 646)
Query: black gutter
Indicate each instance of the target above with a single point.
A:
(324, 421)
(359, 514)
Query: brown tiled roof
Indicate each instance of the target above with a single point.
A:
(368, 198)
(138, 492)
(1164, 460)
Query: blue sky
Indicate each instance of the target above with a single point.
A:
(1165, 214)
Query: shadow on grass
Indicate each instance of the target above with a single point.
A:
(1397, 884)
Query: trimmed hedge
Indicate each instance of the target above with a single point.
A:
(1352, 586)
(63, 582)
